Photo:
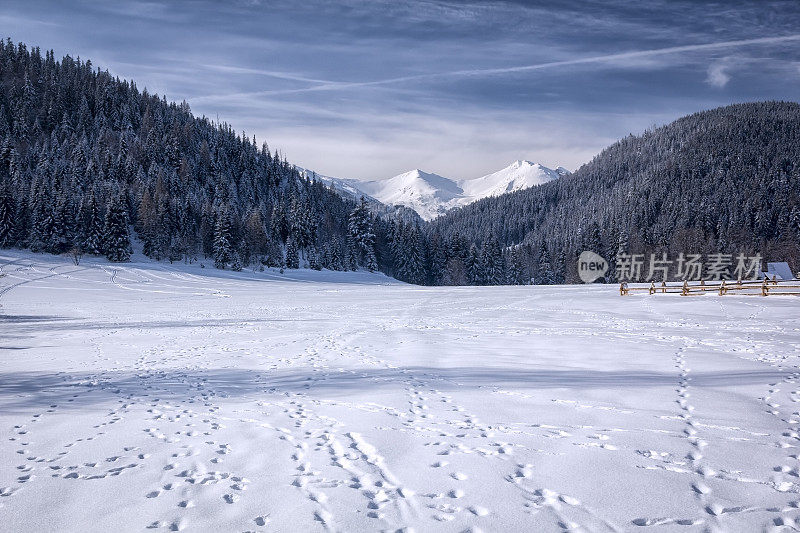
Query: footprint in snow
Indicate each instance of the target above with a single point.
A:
(477, 510)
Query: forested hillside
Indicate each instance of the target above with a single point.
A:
(88, 164)
(724, 180)
(86, 157)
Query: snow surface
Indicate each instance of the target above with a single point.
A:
(171, 397)
(431, 195)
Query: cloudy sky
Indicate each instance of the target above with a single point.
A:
(369, 89)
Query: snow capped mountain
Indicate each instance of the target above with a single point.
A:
(355, 190)
(431, 195)
(518, 175)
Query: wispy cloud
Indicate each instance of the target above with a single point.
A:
(370, 88)
(261, 72)
(618, 59)
(7, 20)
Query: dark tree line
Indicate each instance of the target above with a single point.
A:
(91, 165)
(725, 180)
(88, 162)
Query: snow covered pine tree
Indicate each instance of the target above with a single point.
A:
(360, 236)
(117, 242)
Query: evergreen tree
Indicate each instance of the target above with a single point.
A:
(60, 226)
(314, 261)
(41, 222)
(292, 254)
(274, 255)
(255, 234)
(593, 241)
(116, 240)
(516, 267)
(475, 275)
(22, 223)
(437, 249)
(6, 218)
(415, 259)
(492, 263)
(545, 271)
(93, 242)
(223, 249)
(409, 254)
(337, 258)
(361, 237)
(560, 270)
(236, 263)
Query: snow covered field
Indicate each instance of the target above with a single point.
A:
(168, 397)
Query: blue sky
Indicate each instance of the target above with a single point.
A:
(369, 89)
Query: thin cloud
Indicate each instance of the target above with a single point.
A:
(261, 72)
(16, 21)
(376, 88)
(609, 58)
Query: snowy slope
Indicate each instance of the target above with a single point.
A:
(517, 176)
(431, 195)
(156, 397)
(347, 187)
(354, 190)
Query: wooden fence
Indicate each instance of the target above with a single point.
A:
(765, 287)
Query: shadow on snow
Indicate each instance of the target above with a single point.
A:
(30, 389)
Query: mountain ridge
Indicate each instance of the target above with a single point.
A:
(431, 195)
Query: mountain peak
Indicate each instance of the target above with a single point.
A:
(519, 175)
(431, 195)
(428, 194)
